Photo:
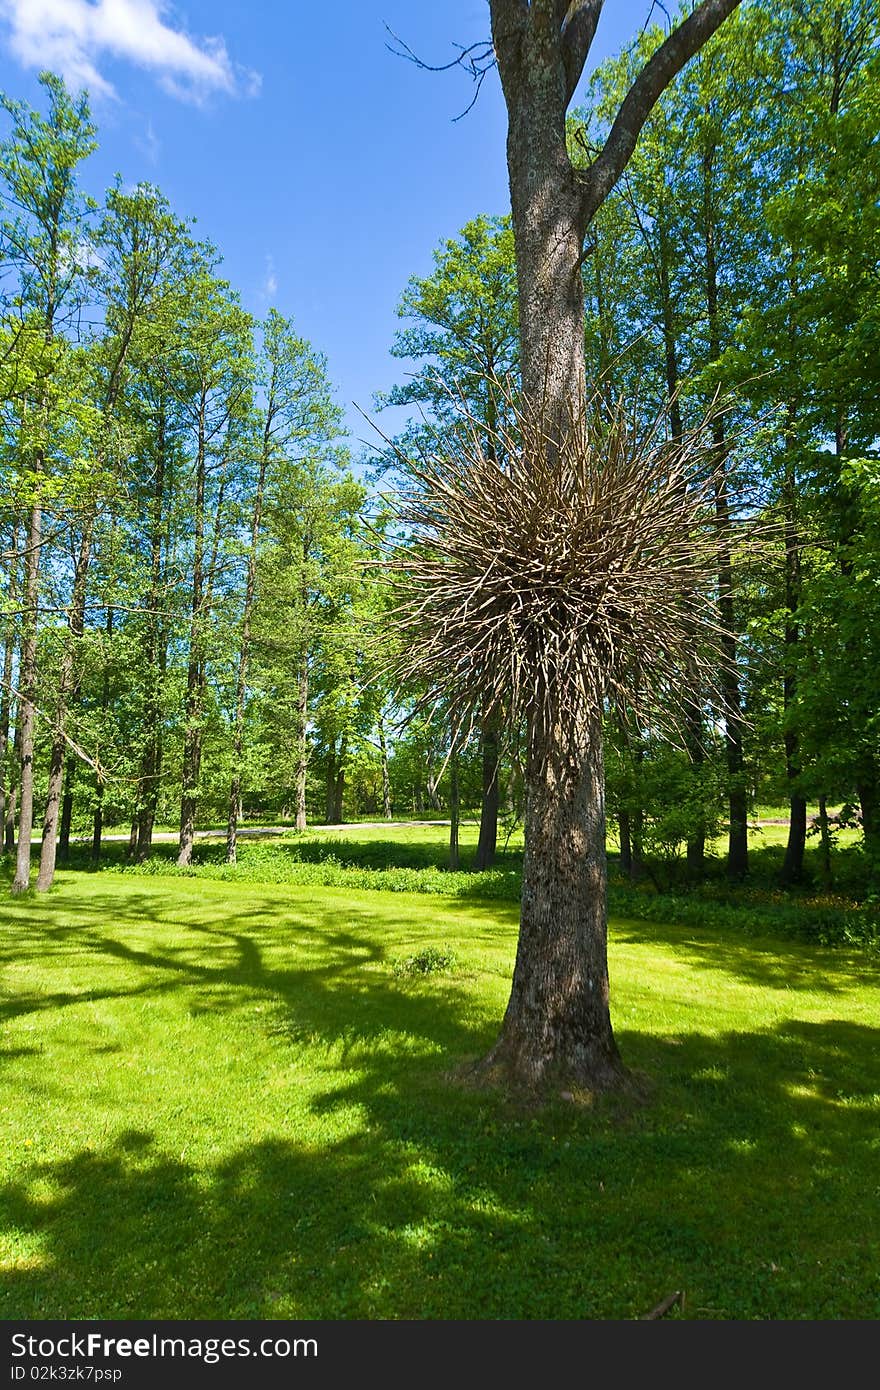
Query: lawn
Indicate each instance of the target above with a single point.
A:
(231, 1100)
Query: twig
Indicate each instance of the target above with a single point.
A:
(664, 1306)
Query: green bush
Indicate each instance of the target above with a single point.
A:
(431, 960)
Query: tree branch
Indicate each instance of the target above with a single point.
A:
(578, 31)
(641, 98)
(476, 60)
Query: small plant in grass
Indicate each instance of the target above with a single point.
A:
(431, 960)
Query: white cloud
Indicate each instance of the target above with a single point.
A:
(72, 36)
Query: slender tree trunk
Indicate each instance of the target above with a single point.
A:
(98, 832)
(27, 681)
(824, 842)
(793, 864)
(6, 778)
(626, 856)
(155, 660)
(386, 781)
(868, 792)
(302, 745)
(738, 844)
(454, 810)
(192, 737)
(66, 683)
(5, 712)
(244, 650)
(66, 816)
(12, 801)
(488, 838)
(330, 783)
(98, 817)
(693, 713)
(338, 790)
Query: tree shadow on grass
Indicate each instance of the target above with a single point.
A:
(747, 1198)
(750, 1180)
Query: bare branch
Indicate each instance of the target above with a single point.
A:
(477, 59)
(97, 767)
(652, 81)
(541, 587)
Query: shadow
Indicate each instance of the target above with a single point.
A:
(359, 1182)
(771, 964)
(444, 1203)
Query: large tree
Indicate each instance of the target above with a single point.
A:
(557, 1024)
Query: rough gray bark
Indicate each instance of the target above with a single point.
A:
(192, 738)
(66, 683)
(155, 659)
(12, 798)
(204, 575)
(301, 745)
(66, 818)
(558, 1025)
(98, 817)
(244, 649)
(27, 682)
(5, 711)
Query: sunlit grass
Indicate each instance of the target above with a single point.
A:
(221, 1100)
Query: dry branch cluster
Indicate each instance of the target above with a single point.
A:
(546, 570)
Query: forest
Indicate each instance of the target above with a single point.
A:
(194, 599)
(335, 767)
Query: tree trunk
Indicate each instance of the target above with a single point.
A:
(339, 784)
(454, 858)
(98, 819)
(626, 856)
(98, 831)
(26, 712)
(6, 692)
(488, 839)
(868, 792)
(387, 810)
(302, 745)
(557, 1027)
(738, 844)
(793, 864)
(12, 799)
(695, 855)
(66, 686)
(155, 660)
(824, 842)
(192, 736)
(66, 818)
(244, 650)
(330, 783)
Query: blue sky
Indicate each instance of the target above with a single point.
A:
(324, 169)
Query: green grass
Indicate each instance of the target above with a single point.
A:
(412, 859)
(221, 1099)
